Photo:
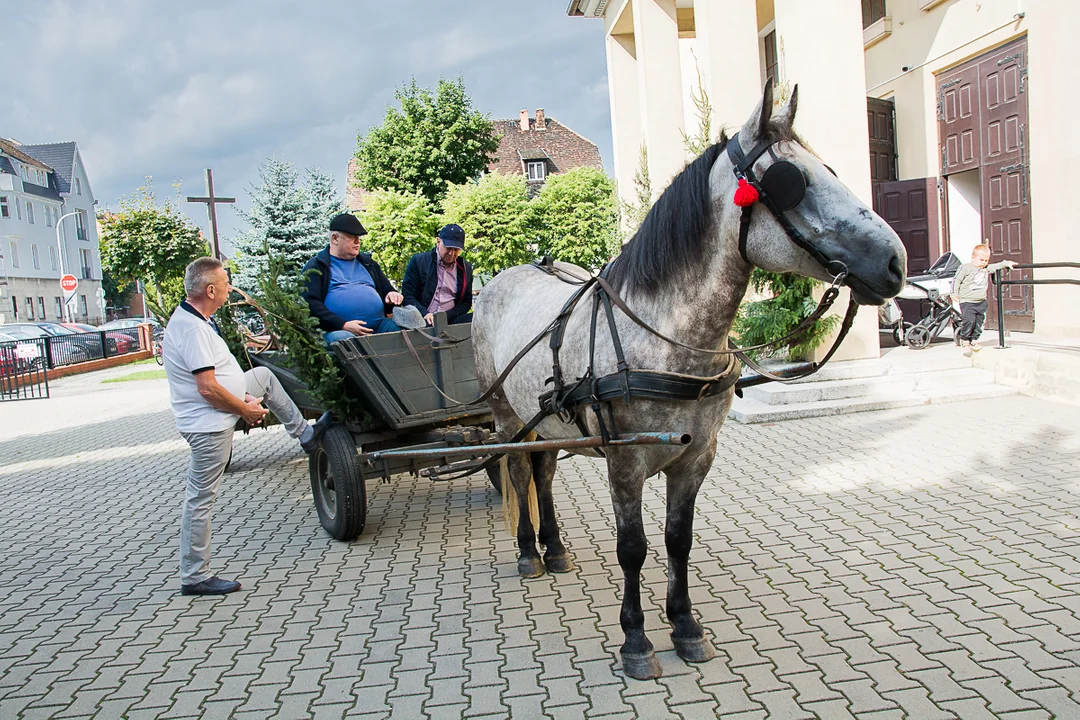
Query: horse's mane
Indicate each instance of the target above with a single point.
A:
(671, 239)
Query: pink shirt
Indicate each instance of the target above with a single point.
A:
(445, 289)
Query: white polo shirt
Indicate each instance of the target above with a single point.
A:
(191, 346)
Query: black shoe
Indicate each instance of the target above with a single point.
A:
(317, 430)
(213, 586)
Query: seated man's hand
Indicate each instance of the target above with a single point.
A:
(394, 298)
(357, 327)
(430, 318)
(254, 412)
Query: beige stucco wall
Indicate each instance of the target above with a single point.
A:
(934, 40)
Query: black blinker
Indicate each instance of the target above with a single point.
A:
(784, 184)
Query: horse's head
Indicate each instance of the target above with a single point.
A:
(809, 222)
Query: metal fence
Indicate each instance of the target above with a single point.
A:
(1000, 281)
(24, 372)
(64, 350)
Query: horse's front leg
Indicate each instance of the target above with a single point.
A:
(682, 488)
(556, 558)
(626, 477)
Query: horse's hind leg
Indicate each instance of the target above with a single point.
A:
(556, 558)
(626, 477)
(682, 488)
(529, 563)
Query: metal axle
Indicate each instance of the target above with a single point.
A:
(646, 438)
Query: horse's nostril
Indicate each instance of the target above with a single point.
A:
(896, 269)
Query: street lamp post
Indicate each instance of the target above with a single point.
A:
(60, 251)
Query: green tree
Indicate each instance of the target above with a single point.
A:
(286, 218)
(399, 224)
(152, 243)
(499, 221)
(791, 301)
(433, 139)
(578, 217)
(632, 214)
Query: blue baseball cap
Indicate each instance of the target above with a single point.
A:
(452, 236)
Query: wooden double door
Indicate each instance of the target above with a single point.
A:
(983, 125)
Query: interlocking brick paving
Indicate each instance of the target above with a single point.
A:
(918, 562)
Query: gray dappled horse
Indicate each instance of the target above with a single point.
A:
(684, 274)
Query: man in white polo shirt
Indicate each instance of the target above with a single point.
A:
(209, 392)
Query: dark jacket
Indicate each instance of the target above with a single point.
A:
(422, 277)
(318, 284)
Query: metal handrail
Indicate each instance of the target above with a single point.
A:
(1000, 282)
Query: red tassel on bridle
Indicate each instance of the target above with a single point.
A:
(746, 194)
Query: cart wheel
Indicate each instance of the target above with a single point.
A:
(918, 337)
(337, 485)
(495, 477)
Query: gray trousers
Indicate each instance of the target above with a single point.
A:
(210, 453)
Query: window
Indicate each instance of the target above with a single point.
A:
(78, 185)
(48, 215)
(14, 254)
(18, 209)
(35, 257)
(56, 216)
(87, 264)
(4, 210)
(29, 308)
(15, 308)
(772, 64)
(52, 258)
(80, 225)
(82, 305)
(872, 11)
(30, 212)
(534, 169)
(59, 308)
(41, 307)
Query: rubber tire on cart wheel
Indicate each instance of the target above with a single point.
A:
(495, 477)
(918, 337)
(337, 485)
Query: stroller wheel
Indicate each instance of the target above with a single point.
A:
(900, 332)
(917, 337)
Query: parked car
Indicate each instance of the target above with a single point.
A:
(123, 323)
(20, 355)
(66, 346)
(117, 342)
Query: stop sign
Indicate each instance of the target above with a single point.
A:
(69, 283)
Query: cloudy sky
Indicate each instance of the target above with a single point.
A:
(168, 89)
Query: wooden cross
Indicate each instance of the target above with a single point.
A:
(211, 210)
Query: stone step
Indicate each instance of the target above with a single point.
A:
(867, 388)
(752, 411)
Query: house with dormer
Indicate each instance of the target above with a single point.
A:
(46, 231)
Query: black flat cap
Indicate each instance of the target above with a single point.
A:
(347, 223)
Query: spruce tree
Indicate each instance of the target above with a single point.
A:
(286, 219)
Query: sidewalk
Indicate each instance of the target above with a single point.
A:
(882, 565)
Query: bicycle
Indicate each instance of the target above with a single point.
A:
(155, 347)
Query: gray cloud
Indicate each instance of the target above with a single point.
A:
(149, 88)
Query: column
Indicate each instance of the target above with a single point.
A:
(821, 49)
(656, 39)
(625, 114)
(729, 58)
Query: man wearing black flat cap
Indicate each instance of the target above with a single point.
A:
(349, 293)
(440, 280)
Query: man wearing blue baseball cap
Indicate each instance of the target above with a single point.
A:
(440, 280)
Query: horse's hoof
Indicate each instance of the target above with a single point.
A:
(530, 567)
(559, 563)
(694, 650)
(641, 667)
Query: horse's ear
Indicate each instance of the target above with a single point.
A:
(766, 108)
(758, 121)
(786, 116)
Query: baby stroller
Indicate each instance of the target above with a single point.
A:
(935, 286)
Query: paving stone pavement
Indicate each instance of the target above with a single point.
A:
(909, 563)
